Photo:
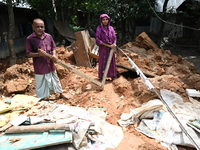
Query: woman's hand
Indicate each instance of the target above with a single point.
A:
(113, 46)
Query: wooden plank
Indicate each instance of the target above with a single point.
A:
(71, 68)
(107, 68)
(94, 52)
(86, 39)
(80, 50)
(38, 128)
(94, 56)
(144, 40)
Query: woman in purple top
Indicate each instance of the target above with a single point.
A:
(106, 40)
(44, 68)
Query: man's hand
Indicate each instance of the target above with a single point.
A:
(31, 54)
(40, 54)
(54, 58)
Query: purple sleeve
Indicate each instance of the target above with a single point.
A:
(98, 36)
(53, 45)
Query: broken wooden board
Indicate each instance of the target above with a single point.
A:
(80, 49)
(34, 140)
(144, 40)
(94, 52)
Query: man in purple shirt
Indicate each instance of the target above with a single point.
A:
(44, 68)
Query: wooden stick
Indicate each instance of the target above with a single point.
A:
(38, 128)
(8, 125)
(107, 67)
(70, 68)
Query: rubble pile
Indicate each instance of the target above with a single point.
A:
(163, 69)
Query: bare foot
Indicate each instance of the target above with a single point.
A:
(113, 78)
(64, 96)
(108, 79)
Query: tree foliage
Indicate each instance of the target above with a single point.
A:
(43, 7)
(192, 12)
(117, 9)
(120, 11)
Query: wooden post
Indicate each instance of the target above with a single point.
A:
(107, 67)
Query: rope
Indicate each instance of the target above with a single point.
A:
(149, 84)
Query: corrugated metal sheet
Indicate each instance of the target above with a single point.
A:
(171, 4)
(27, 141)
(19, 45)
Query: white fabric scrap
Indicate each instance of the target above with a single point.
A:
(79, 138)
(139, 113)
(156, 122)
(111, 135)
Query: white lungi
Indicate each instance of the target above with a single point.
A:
(47, 82)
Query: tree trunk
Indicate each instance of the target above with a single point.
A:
(133, 26)
(123, 31)
(88, 20)
(162, 24)
(54, 9)
(11, 33)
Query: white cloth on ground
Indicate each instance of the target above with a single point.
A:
(156, 122)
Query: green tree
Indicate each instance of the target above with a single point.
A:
(126, 13)
(11, 33)
(10, 4)
(191, 19)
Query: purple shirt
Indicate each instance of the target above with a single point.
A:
(42, 65)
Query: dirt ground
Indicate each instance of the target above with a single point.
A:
(118, 96)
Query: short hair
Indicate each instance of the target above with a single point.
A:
(37, 19)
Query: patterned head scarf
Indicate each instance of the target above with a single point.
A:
(102, 16)
(102, 27)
